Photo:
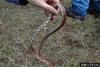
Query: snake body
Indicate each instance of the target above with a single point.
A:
(57, 29)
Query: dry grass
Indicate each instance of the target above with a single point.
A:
(78, 41)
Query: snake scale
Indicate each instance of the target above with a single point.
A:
(57, 29)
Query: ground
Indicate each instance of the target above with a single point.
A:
(77, 42)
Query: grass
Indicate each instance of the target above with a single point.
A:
(77, 42)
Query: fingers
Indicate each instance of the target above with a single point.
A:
(44, 5)
(53, 15)
(53, 18)
(49, 8)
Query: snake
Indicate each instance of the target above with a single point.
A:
(63, 21)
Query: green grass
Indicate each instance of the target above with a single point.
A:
(78, 41)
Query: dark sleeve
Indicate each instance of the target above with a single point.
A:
(23, 2)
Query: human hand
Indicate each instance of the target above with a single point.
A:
(47, 5)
